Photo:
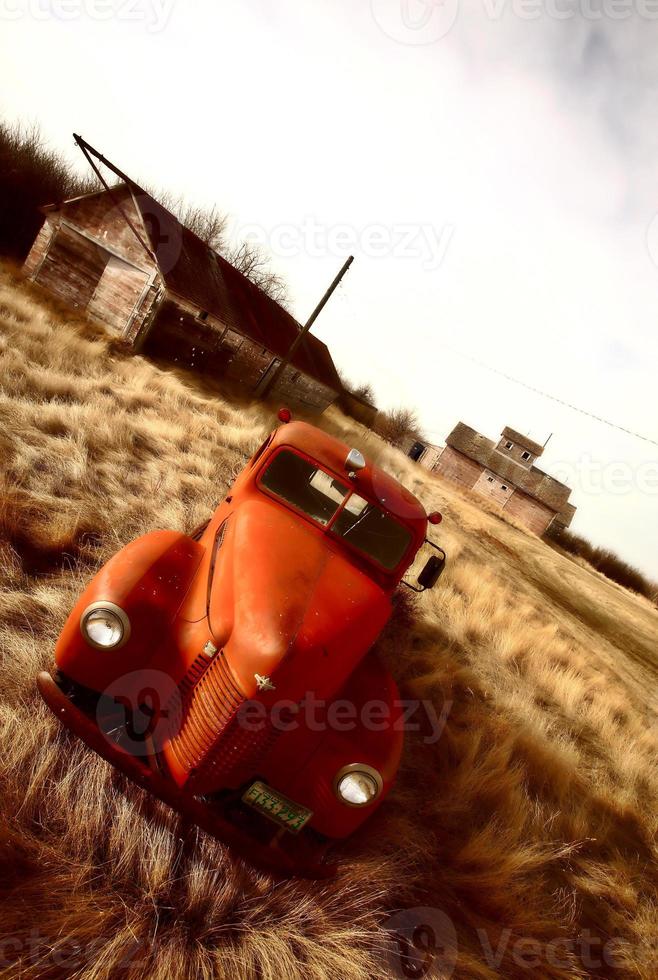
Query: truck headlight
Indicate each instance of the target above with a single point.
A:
(105, 625)
(358, 784)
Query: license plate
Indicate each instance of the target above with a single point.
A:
(277, 807)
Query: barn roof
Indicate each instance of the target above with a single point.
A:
(533, 481)
(196, 272)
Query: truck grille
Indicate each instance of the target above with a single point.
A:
(236, 755)
(207, 702)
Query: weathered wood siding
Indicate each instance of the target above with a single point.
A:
(516, 453)
(38, 251)
(117, 293)
(526, 510)
(178, 334)
(144, 314)
(72, 267)
(431, 456)
(100, 216)
(455, 466)
(88, 256)
(297, 389)
(529, 512)
(210, 346)
(489, 485)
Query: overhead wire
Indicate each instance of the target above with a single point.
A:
(551, 397)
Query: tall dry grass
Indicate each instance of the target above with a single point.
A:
(605, 561)
(531, 822)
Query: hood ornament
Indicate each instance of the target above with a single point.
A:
(264, 683)
(354, 460)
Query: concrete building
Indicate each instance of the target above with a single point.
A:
(504, 471)
(128, 263)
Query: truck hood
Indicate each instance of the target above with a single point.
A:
(286, 604)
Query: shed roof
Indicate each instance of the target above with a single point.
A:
(533, 481)
(195, 271)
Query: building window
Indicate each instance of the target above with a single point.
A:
(509, 445)
(503, 487)
(525, 455)
(294, 376)
(202, 315)
(490, 479)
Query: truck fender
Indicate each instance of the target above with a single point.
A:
(148, 579)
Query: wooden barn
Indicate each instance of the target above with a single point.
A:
(130, 264)
(505, 472)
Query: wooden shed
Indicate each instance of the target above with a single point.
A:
(504, 471)
(130, 264)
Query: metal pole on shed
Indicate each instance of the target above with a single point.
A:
(270, 379)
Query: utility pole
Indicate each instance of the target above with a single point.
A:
(270, 378)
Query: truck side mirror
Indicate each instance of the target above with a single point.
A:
(433, 568)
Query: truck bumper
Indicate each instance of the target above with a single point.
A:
(268, 857)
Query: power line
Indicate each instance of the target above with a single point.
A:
(554, 398)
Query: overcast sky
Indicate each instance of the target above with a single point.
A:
(493, 166)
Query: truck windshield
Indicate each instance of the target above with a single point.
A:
(372, 531)
(320, 495)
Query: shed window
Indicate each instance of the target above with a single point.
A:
(295, 376)
(503, 487)
(202, 315)
(490, 479)
(525, 455)
(509, 445)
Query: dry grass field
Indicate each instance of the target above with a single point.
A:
(531, 823)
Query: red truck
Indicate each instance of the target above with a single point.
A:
(190, 662)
